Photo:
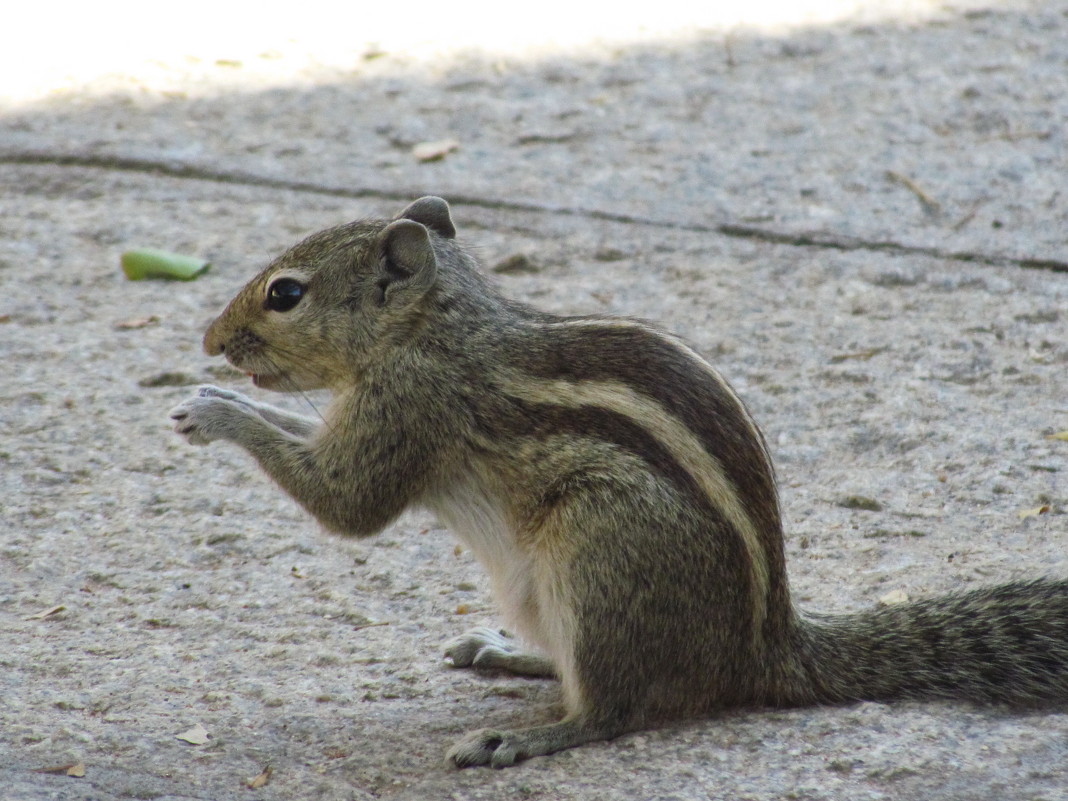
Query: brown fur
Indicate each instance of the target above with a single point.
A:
(614, 487)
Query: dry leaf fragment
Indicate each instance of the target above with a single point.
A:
(464, 609)
(137, 322)
(894, 597)
(261, 780)
(197, 735)
(860, 502)
(861, 355)
(434, 151)
(55, 610)
(517, 264)
(169, 379)
(76, 769)
(1059, 435)
(1023, 514)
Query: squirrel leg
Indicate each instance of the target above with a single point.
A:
(354, 482)
(500, 749)
(491, 649)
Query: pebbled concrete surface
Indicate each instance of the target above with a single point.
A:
(862, 222)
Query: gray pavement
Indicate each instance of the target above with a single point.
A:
(865, 225)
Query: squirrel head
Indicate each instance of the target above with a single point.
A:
(323, 311)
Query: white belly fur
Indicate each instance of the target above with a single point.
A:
(529, 601)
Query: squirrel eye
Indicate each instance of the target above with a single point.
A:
(284, 294)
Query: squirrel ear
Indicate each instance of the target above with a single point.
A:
(408, 263)
(433, 212)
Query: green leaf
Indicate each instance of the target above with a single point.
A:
(151, 263)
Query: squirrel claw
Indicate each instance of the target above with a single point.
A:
(212, 391)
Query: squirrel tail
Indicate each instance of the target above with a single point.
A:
(1007, 643)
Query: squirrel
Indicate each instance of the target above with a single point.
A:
(609, 480)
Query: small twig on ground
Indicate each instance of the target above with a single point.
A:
(931, 207)
(372, 625)
(967, 218)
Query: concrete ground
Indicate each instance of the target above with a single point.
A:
(860, 215)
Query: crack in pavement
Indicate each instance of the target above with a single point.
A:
(827, 241)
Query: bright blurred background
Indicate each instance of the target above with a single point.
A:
(98, 46)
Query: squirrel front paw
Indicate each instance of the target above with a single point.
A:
(211, 414)
(484, 648)
(478, 647)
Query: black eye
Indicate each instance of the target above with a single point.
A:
(284, 294)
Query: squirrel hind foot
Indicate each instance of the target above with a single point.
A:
(502, 749)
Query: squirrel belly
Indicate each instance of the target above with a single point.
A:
(609, 480)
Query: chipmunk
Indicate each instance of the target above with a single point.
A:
(609, 480)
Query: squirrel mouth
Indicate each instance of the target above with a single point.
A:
(266, 380)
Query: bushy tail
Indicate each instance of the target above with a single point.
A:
(1002, 644)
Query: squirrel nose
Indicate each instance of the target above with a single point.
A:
(214, 339)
